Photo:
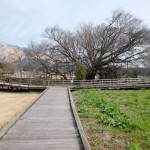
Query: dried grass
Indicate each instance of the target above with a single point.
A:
(13, 103)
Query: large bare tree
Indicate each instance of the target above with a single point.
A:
(123, 38)
(48, 59)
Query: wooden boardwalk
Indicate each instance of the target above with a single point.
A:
(49, 124)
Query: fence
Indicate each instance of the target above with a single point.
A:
(122, 83)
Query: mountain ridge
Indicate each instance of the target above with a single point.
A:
(9, 52)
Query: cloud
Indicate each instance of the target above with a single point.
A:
(23, 20)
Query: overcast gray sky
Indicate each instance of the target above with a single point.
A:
(25, 20)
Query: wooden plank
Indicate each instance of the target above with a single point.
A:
(11, 123)
(79, 125)
(45, 129)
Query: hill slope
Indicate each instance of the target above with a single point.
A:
(9, 52)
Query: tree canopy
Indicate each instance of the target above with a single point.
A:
(122, 39)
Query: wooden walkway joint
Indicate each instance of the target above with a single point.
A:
(49, 124)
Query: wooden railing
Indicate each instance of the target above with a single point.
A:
(105, 83)
(122, 83)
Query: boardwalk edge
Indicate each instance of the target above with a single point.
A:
(18, 116)
(78, 122)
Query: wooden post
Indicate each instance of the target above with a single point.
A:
(30, 83)
(19, 83)
(43, 83)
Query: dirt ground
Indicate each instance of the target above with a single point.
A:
(12, 103)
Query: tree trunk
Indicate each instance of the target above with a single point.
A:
(90, 75)
(64, 76)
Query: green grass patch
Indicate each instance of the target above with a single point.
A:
(115, 119)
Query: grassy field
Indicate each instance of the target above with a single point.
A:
(11, 103)
(115, 120)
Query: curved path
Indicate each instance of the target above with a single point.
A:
(47, 125)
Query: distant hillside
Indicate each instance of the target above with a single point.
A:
(9, 52)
